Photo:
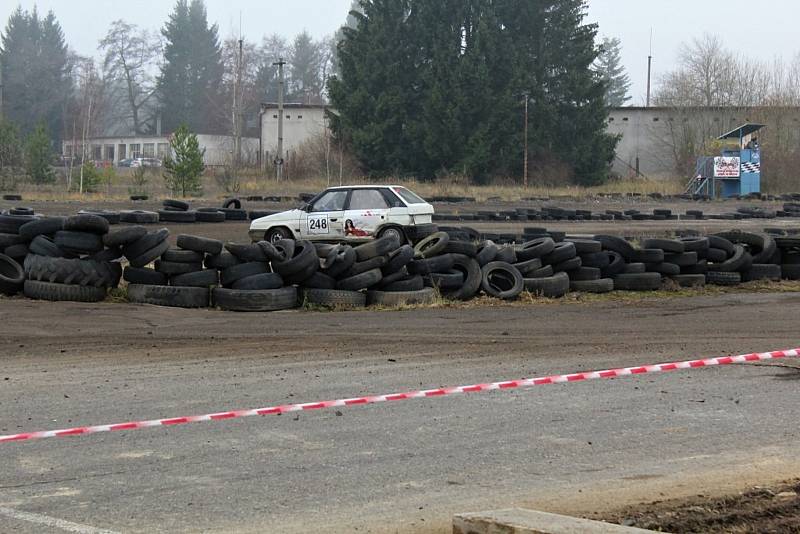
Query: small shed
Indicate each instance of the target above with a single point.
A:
(738, 170)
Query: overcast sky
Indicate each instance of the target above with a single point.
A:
(762, 30)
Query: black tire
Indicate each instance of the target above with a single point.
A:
(432, 245)
(149, 255)
(177, 216)
(234, 214)
(183, 256)
(279, 233)
(201, 278)
(601, 285)
(210, 216)
(335, 298)
(634, 268)
(81, 272)
(18, 252)
(21, 210)
(138, 217)
(467, 248)
(392, 277)
(15, 198)
(284, 250)
(583, 274)
(78, 242)
(199, 244)
(683, 259)
(721, 243)
(344, 259)
(10, 224)
(143, 275)
(111, 216)
(790, 271)
(177, 204)
(7, 240)
(723, 278)
(273, 253)
(694, 243)
(647, 255)
(145, 243)
(663, 268)
(544, 272)
(393, 232)
(501, 280)
(34, 289)
(555, 286)
(320, 280)
(398, 259)
(124, 236)
(562, 252)
(232, 202)
(716, 255)
(375, 248)
(667, 245)
(303, 261)
(359, 267)
(616, 244)
(701, 267)
(360, 281)
(44, 226)
(450, 280)
(221, 261)
(139, 197)
(471, 277)
(242, 270)
(535, 248)
(258, 300)
(174, 268)
(527, 267)
(245, 253)
(586, 246)
(426, 295)
(436, 264)
(595, 259)
(568, 265)
(418, 232)
(616, 264)
(762, 271)
(506, 254)
(689, 280)
(487, 252)
(739, 261)
(637, 282)
(411, 283)
(172, 296)
(12, 275)
(87, 222)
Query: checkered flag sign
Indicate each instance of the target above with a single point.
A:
(751, 167)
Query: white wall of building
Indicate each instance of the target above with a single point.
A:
(300, 123)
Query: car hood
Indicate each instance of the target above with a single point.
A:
(284, 216)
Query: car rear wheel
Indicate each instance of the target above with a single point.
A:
(276, 234)
(393, 231)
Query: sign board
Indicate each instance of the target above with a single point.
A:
(726, 167)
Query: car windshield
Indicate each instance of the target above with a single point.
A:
(408, 196)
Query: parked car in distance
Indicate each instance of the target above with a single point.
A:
(347, 213)
(145, 162)
(127, 162)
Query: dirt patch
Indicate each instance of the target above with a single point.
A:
(774, 509)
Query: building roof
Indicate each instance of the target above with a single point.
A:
(293, 105)
(741, 131)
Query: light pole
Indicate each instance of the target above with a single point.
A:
(279, 156)
(525, 147)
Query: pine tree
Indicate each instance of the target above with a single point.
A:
(612, 71)
(10, 154)
(183, 170)
(305, 84)
(189, 82)
(38, 153)
(33, 56)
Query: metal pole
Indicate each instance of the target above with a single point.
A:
(279, 158)
(649, 65)
(525, 148)
(238, 119)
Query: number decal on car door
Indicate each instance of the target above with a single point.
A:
(318, 224)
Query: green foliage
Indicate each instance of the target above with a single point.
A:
(140, 180)
(612, 71)
(426, 88)
(38, 153)
(88, 180)
(192, 71)
(36, 82)
(10, 155)
(182, 172)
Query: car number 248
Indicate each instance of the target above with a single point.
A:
(318, 225)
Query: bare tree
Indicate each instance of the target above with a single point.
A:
(131, 56)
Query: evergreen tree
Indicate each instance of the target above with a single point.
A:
(189, 82)
(612, 71)
(304, 70)
(182, 170)
(38, 153)
(273, 47)
(33, 56)
(10, 154)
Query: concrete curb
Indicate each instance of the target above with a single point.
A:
(522, 521)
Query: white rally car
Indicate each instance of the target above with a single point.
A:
(348, 213)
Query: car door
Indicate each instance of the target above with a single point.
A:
(366, 211)
(324, 217)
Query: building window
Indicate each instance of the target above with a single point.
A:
(624, 119)
(97, 152)
(136, 150)
(288, 116)
(274, 116)
(611, 119)
(109, 150)
(68, 151)
(163, 149)
(299, 117)
(655, 119)
(149, 150)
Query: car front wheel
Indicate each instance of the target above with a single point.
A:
(276, 234)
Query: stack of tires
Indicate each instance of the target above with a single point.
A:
(749, 257)
(176, 211)
(138, 217)
(178, 278)
(248, 282)
(70, 259)
(506, 271)
(681, 260)
(232, 208)
(12, 244)
(789, 252)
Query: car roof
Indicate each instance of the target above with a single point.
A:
(362, 186)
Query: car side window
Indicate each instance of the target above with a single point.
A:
(367, 199)
(392, 199)
(331, 201)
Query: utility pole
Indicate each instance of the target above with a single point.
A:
(649, 64)
(237, 108)
(525, 147)
(279, 156)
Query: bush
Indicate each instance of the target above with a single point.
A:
(182, 173)
(88, 179)
(140, 179)
(38, 154)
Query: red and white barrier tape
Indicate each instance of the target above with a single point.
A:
(439, 392)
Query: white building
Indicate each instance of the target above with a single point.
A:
(218, 148)
(301, 122)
